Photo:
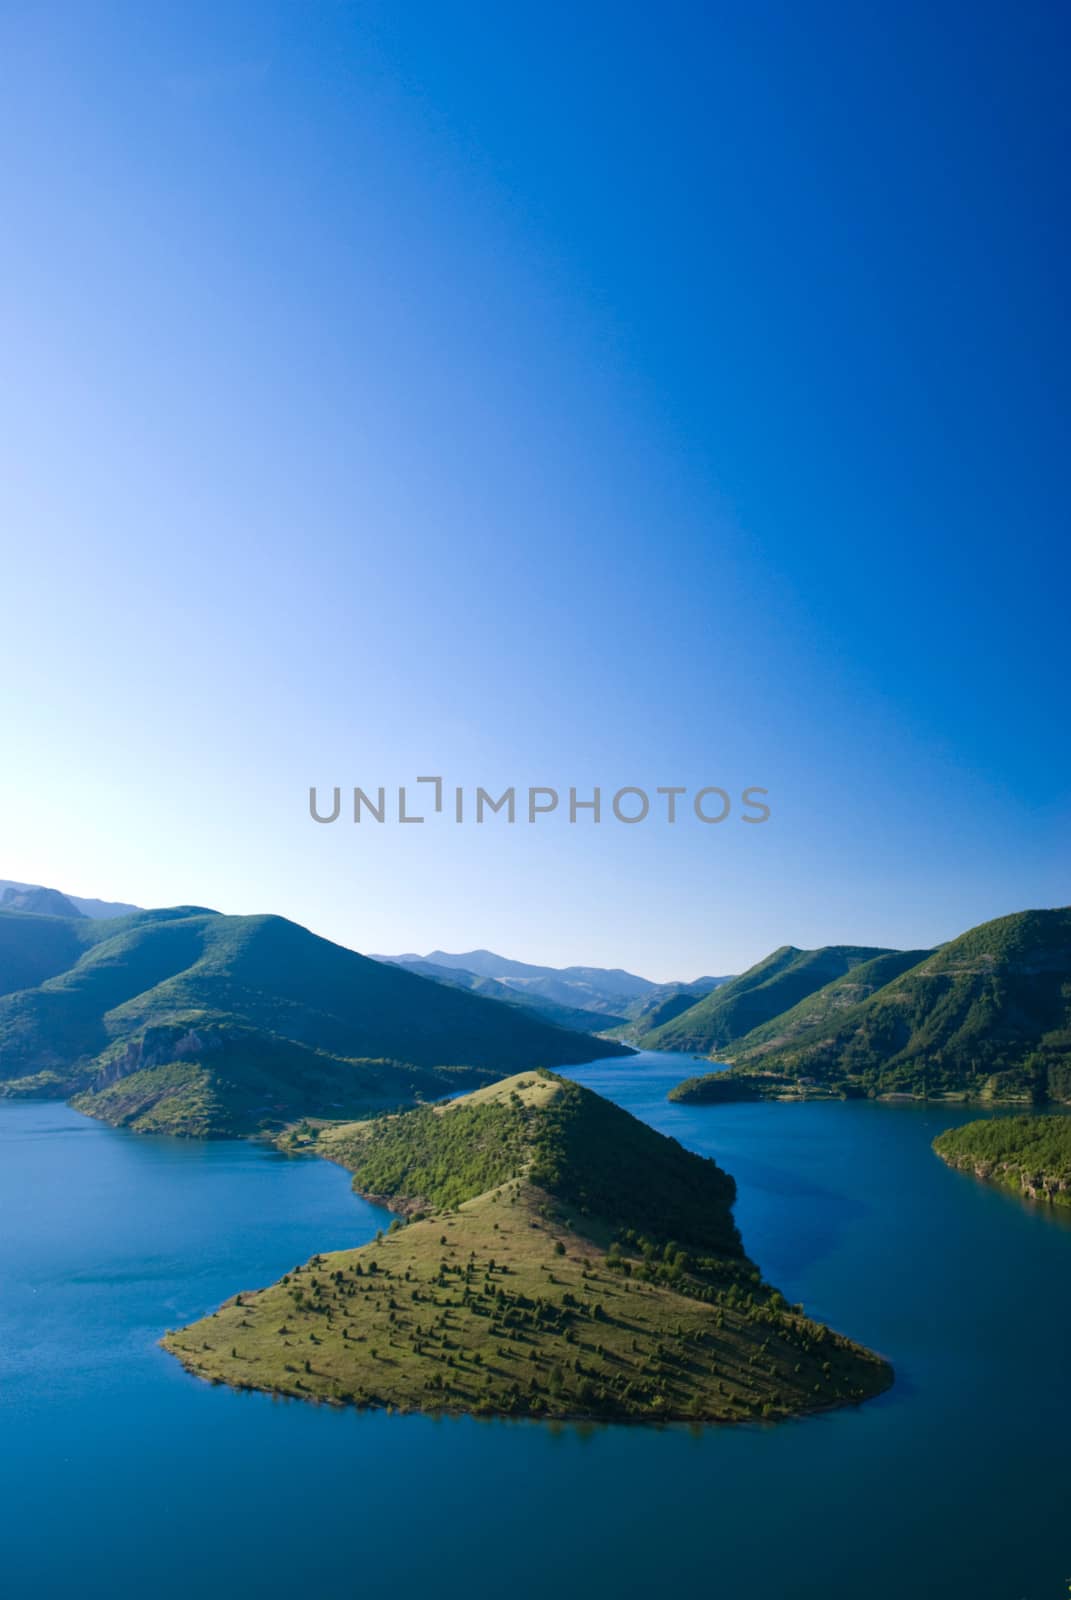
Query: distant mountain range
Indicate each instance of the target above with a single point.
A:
(187, 1021)
(609, 994)
(190, 1021)
(524, 999)
(987, 1015)
(53, 903)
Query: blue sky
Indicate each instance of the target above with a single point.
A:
(539, 395)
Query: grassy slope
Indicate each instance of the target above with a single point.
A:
(661, 1006)
(234, 1023)
(766, 990)
(543, 1282)
(647, 1004)
(988, 1014)
(825, 1006)
(35, 948)
(217, 1079)
(752, 1077)
(1029, 1154)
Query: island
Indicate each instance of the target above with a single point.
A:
(1031, 1155)
(558, 1258)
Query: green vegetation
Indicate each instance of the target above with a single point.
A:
(189, 1022)
(35, 948)
(219, 1079)
(730, 1083)
(765, 991)
(825, 1007)
(1029, 1154)
(576, 1264)
(662, 1005)
(986, 1016)
(427, 1159)
(718, 1088)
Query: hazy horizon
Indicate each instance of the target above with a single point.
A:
(531, 957)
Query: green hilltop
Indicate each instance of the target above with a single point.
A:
(1031, 1155)
(765, 991)
(561, 1259)
(986, 1016)
(186, 1021)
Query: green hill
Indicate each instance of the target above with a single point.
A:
(562, 1260)
(824, 1007)
(1029, 1154)
(663, 1004)
(767, 989)
(34, 948)
(986, 1015)
(191, 1022)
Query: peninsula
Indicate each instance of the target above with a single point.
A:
(559, 1259)
(1031, 1155)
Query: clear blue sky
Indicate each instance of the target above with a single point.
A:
(539, 394)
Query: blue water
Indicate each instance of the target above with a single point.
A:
(122, 1477)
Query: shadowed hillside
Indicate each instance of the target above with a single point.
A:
(187, 1021)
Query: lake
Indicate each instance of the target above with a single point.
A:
(123, 1477)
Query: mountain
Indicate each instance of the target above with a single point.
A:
(608, 980)
(663, 1004)
(492, 989)
(490, 965)
(612, 993)
(190, 1022)
(77, 903)
(563, 1260)
(824, 1007)
(34, 949)
(600, 989)
(988, 1014)
(39, 902)
(102, 909)
(772, 986)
